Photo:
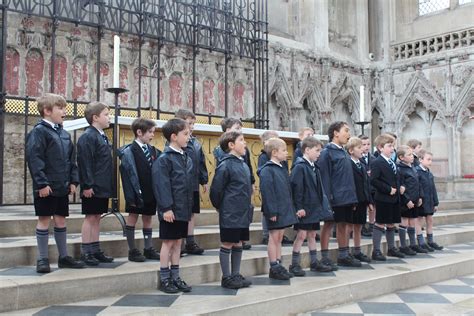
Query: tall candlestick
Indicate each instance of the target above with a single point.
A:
(361, 103)
(116, 83)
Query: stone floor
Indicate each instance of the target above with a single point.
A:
(451, 297)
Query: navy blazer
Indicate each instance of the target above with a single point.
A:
(383, 179)
(362, 183)
(51, 159)
(430, 195)
(336, 172)
(231, 193)
(95, 162)
(275, 189)
(172, 176)
(410, 179)
(308, 192)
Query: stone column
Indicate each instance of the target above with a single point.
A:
(321, 25)
(362, 33)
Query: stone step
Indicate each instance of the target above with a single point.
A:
(22, 288)
(15, 225)
(21, 250)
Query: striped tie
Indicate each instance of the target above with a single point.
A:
(392, 164)
(358, 165)
(147, 154)
(106, 139)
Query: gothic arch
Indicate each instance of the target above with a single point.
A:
(464, 103)
(283, 96)
(351, 94)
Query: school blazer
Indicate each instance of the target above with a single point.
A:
(308, 192)
(410, 179)
(430, 195)
(137, 188)
(95, 162)
(382, 180)
(51, 159)
(362, 184)
(172, 176)
(231, 193)
(275, 189)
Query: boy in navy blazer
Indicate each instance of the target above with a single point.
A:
(231, 194)
(415, 146)
(366, 160)
(338, 182)
(277, 204)
(94, 159)
(311, 204)
(385, 180)
(172, 176)
(51, 160)
(135, 169)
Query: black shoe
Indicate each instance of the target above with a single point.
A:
(362, 257)
(427, 247)
(181, 285)
(193, 249)
(286, 241)
(70, 263)
(366, 232)
(378, 256)
(328, 262)
(265, 240)
(151, 253)
(320, 267)
(348, 261)
(246, 246)
(42, 265)
(278, 273)
(297, 270)
(89, 259)
(407, 251)
(394, 252)
(232, 282)
(418, 249)
(435, 246)
(168, 286)
(245, 282)
(101, 257)
(135, 255)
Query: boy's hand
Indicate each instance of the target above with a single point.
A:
(402, 189)
(168, 216)
(204, 188)
(44, 192)
(371, 208)
(72, 189)
(410, 205)
(420, 201)
(273, 218)
(435, 208)
(88, 193)
(301, 213)
(393, 191)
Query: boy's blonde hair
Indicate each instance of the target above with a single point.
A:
(383, 139)
(304, 129)
(273, 144)
(352, 143)
(94, 108)
(402, 151)
(267, 135)
(49, 101)
(413, 143)
(423, 153)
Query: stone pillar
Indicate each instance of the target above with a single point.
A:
(362, 33)
(321, 25)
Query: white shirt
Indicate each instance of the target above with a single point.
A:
(276, 163)
(176, 150)
(340, 147)
(50, 123)
(310, 162)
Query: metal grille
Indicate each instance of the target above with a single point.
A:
(430, 6)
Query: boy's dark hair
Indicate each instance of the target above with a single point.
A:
(228, 137)
(142, 124)
(413, 143)
(94, 108)
(363, 137)
(173, 126)
(310, 142)
(185, 114)
(49, 101)
(335, 127)
(423, 153)
(229, 122)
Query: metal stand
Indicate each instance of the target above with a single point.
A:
(115, 205)
(362, 125)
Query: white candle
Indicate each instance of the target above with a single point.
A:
(116, 62)
(362, 104)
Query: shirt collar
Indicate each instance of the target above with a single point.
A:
(338, 146)
(139, 143)
(310, 162)
(355, 161)
(276, 163)
(176, 150)
(101, 132)
(386, 158)
(49, 122)
(423, 168)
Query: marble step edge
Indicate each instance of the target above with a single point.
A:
(66, 287)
